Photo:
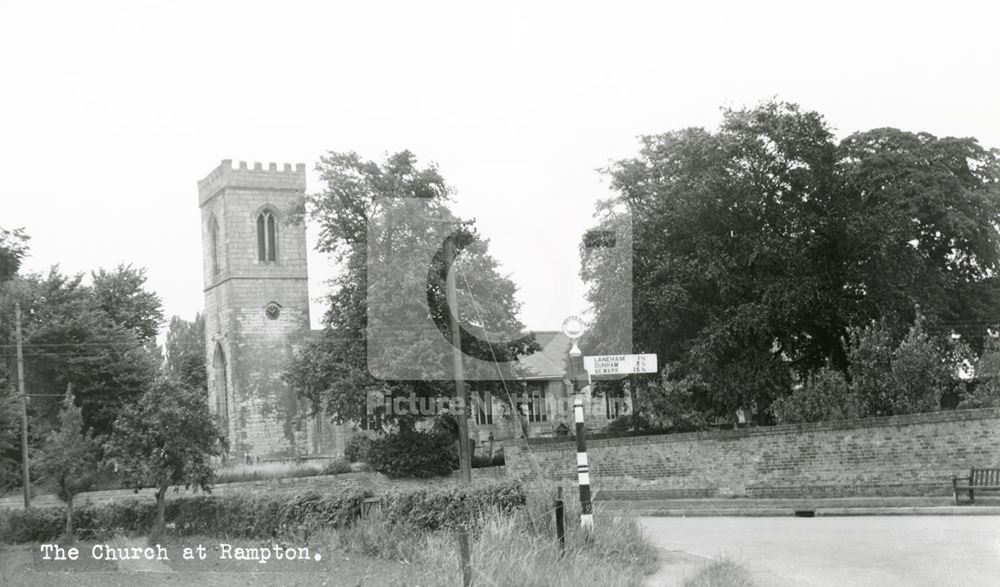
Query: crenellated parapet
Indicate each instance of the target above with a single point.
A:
(256, 178)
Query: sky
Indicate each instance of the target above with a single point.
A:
(111, 111)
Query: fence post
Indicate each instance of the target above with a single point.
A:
(560, 527)
(463, 547)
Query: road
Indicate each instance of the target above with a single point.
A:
(881, 551)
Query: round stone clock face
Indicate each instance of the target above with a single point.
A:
(272, 311)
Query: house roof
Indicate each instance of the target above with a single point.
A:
(550, 362)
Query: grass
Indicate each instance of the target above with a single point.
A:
(279, 470)
(511, 550)
(721, 573)
(518, 549)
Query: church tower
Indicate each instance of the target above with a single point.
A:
(256, 304)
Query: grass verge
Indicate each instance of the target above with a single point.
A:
(509, 550)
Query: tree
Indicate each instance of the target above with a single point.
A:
(984, 390)
(69, 338)
(870, 370)
(890, 379)
(371, 218)
(121, 294)
(185, 350)
(824, 396)
(166, 438)
(10, 440)
(921, 372)
(758, 246)
(13, 249)
(70, 456)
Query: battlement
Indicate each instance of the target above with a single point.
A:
(257, 178)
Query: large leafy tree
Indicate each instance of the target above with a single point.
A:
(70, 338)
(122, 295)
(757, 246)
(13, 249)
(166, 438)
(371, 215)
(185, 350)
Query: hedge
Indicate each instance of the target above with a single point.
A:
(446, 507)
(264, 516)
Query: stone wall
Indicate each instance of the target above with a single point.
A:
(247, 347)
(911, 455)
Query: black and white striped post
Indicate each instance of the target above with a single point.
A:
(581, 385)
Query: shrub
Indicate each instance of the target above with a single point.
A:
(824, 396)
(337, 467)
(483, 461)
(449, 506)
(32, 524)
(266, 516)
(357, 448)
(263, 516)
(414, 454)
(247, 516)
(625, 424)
(908, 378)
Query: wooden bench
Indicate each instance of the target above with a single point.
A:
(978, 479)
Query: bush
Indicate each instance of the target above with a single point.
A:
(337, 467)
(32, 524)
(266, 516)
(907, 378)
(247, 516)
(263, 516)
(625, 424)
(449, 506)
(357, 448)
(414, 454)
(483, 461)
(824, 396)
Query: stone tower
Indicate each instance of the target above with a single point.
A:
(256, 304)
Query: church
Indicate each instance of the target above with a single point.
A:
(257, 313)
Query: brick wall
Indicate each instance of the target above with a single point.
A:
(901, 455)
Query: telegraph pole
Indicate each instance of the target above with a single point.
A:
(464, 458)
(24, 408)
(573, 328)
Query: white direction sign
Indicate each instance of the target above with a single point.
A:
(620, 364)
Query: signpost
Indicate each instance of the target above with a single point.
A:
(573, 329)
(620, 364)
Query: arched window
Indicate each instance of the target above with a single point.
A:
(213, 229)
(266, 236)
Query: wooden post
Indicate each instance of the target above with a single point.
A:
(560, 523)
(24, 409)
(464, 456)
(464, 553)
